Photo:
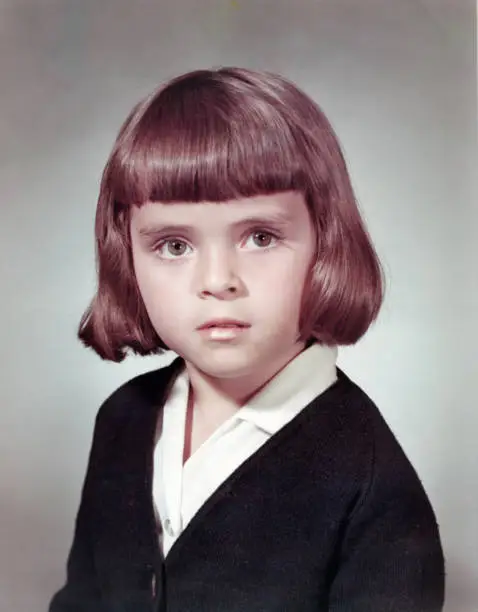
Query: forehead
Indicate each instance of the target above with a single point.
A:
(285, 208)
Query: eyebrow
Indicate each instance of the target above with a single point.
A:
(278, 219)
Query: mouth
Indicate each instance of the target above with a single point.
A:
(223, 323)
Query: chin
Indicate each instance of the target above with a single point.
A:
(224, 364)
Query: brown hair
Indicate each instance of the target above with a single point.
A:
(218, 135)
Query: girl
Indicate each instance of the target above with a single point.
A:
(251, 474)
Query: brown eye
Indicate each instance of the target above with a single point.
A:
(176, 247)
(171, 249)
(262, 239)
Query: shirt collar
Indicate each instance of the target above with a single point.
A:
(305, 377)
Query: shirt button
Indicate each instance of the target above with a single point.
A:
(169, 528)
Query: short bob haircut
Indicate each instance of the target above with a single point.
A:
(218, 135)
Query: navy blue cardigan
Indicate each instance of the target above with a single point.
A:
(328, 515)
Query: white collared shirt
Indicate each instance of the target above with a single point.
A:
(180, 490)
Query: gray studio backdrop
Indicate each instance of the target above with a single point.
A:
(397, 80)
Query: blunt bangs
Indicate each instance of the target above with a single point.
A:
(204, 139)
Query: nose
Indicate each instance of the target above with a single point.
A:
(218, 274)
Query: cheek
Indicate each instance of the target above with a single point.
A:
(151, 277)
(283, 280)
(164, 306)
(158, 289)
(281, 272)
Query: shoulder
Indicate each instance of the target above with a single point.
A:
(362, 439)
(360, 415)
(136, 396)
(389, 475)
(129, 413)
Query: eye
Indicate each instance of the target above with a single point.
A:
(175, 248)
(263, 239)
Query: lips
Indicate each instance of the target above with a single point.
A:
(224, 323)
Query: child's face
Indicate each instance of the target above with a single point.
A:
(245, 259)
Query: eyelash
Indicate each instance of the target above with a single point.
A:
(275, 236)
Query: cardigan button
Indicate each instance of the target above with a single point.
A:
(169, 528)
